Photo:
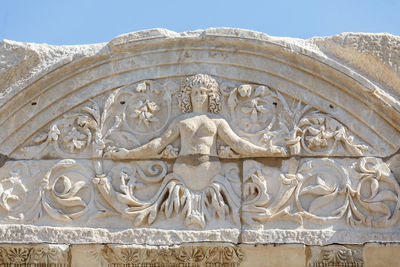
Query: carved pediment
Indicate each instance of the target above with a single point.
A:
(220, 134)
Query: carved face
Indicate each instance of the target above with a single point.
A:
(199, 96)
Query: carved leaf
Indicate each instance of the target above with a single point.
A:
(54, 132)
(245, 90)
(125, 198)
(152, 215)
(253, 116)
(316, 190)
(71, 202)
(377, 207)
(110, 100)
(69, 190)
(40, 138)
(116, 124)
(141, 87)
(322, 201)
(55, 213)
(94, 111)
(261, 109)
(385, 195)
(262, 91)
(232, 100)
(374, 187)
(313, 131)
(246, 110)
(139, 219)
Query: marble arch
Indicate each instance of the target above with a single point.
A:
(186, 149)
(298, 71)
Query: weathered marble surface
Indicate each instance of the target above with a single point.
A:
(223, 135)
(199, 255)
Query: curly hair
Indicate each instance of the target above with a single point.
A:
(200, 80)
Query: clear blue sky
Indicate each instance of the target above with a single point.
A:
(93, 21)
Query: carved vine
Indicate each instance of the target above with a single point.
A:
(257, 112)
(127, 113)
(368, 196)
(173, 196)
(65, 192)
(264, 114)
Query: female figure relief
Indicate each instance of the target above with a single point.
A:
(198, 128)
(197, 164)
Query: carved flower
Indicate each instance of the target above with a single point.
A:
(231, 254)
(253, 110)
(320, 132)
(18, 255)
(191, 254)
(141, 87)
(144, 112)
(318, 141)
(316, 133)
(244, 90)
(130, 256)
(75, 140)
(54, 133)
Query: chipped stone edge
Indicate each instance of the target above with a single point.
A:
(316, 237)
(307, 47)
(14, 233)
(22, 234)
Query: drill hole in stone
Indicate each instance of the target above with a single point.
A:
(34, 103)
(122, 102)
(331, 106)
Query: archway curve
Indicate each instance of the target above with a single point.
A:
(231, 54)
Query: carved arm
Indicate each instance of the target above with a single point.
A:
(150, 150)
(244, 147)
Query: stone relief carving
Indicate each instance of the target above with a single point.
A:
(257, 113)
(12, 190)
(193, 255)
(336, 255)
(199, 202)
(64, 192)
(197, 184)
(363, 192)
(264, 114)
(34, 255)
(126, 113)
(149, 161)
(61, 190)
